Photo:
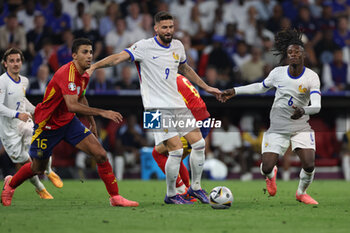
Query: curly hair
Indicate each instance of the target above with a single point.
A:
(285, 38)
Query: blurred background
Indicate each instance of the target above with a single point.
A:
(228, 42)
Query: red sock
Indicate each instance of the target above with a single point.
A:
(25, 172)
(106, 173)
(184, 174)
(160, 159)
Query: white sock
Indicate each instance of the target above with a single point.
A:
(270, 175)
(119, 167)
(306, 179)
(197, 158)
(181, 189)
(346, 167)
(172, 168)
(36, 182)
(286, 175)
(48, 167)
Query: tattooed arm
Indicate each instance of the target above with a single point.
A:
(189, 73)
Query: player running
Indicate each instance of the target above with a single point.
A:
(296, 86)
(199, 110)
(158, 61)
(16, 125)
(55, 120)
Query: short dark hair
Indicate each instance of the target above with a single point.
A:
(9, 52)
(162, 15)
(78, 42)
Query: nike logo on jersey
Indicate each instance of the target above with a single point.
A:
(155, 57)
(10, 93)
(279, 86)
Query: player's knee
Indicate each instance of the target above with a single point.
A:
(199, 145)
(100, 156)
(38, 170)
(266, 168)
(309, 169)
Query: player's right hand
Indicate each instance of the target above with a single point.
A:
(112, 115)
(227, 94)
(24, 116)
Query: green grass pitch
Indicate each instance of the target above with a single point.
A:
(84, 207)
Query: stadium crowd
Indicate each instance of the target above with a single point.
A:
(228, 43)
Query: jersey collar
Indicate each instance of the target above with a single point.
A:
(13, 79)
(166, 47)
(295, 77)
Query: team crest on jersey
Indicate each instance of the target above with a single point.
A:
(176, 57)
(301, 89)
(72, 86)
(134, 46)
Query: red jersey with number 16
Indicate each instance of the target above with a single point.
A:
(53, 113)
(192, 98)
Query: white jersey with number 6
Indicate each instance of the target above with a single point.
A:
(290, 91)
(157, 66)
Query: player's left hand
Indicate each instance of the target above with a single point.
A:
(298, 112)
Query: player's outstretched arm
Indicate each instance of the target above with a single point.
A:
(109, 61)
(189, 73)
(73, 105)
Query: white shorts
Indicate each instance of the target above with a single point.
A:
(17, 145)
(170, 130)
(279, 143)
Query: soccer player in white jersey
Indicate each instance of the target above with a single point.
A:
(296, 86)
(158, 61)
(16, 125)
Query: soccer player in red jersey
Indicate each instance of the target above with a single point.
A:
(55, 120)
(199, 110)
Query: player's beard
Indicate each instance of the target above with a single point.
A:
(165, 40)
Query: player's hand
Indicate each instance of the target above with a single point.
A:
(228, 94)
(298, 112)
(90, 70)
(214, 91)
(112, 115)
(24, 116)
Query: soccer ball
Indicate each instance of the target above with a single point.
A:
(220, 198)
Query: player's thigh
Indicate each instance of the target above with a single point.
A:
(307, 158)
(269, 160)
(193, 136)
(173, 143)
(15, 149)
(161, 148)
(275, 143)
(92, 146)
